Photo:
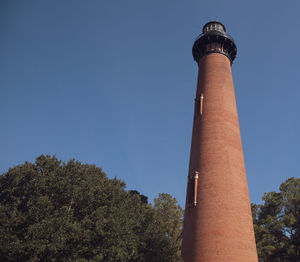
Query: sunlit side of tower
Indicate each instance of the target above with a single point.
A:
(217, 222)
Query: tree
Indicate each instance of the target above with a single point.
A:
(170, 219)
(55, 211)
(277, 224)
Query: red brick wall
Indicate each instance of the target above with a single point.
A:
(220, 227)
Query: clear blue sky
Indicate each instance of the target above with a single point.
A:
(112, 83)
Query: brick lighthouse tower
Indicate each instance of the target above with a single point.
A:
(217, 222)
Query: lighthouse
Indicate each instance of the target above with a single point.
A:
(218, 224)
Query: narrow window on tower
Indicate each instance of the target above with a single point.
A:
(193, 189)
(196, 188)
(201, 104)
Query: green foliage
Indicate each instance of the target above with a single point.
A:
(277, 224)
(54, 211)
(169, 219)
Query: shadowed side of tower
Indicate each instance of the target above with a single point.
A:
(217, 223)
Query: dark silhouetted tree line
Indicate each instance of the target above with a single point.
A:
(55, 211)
